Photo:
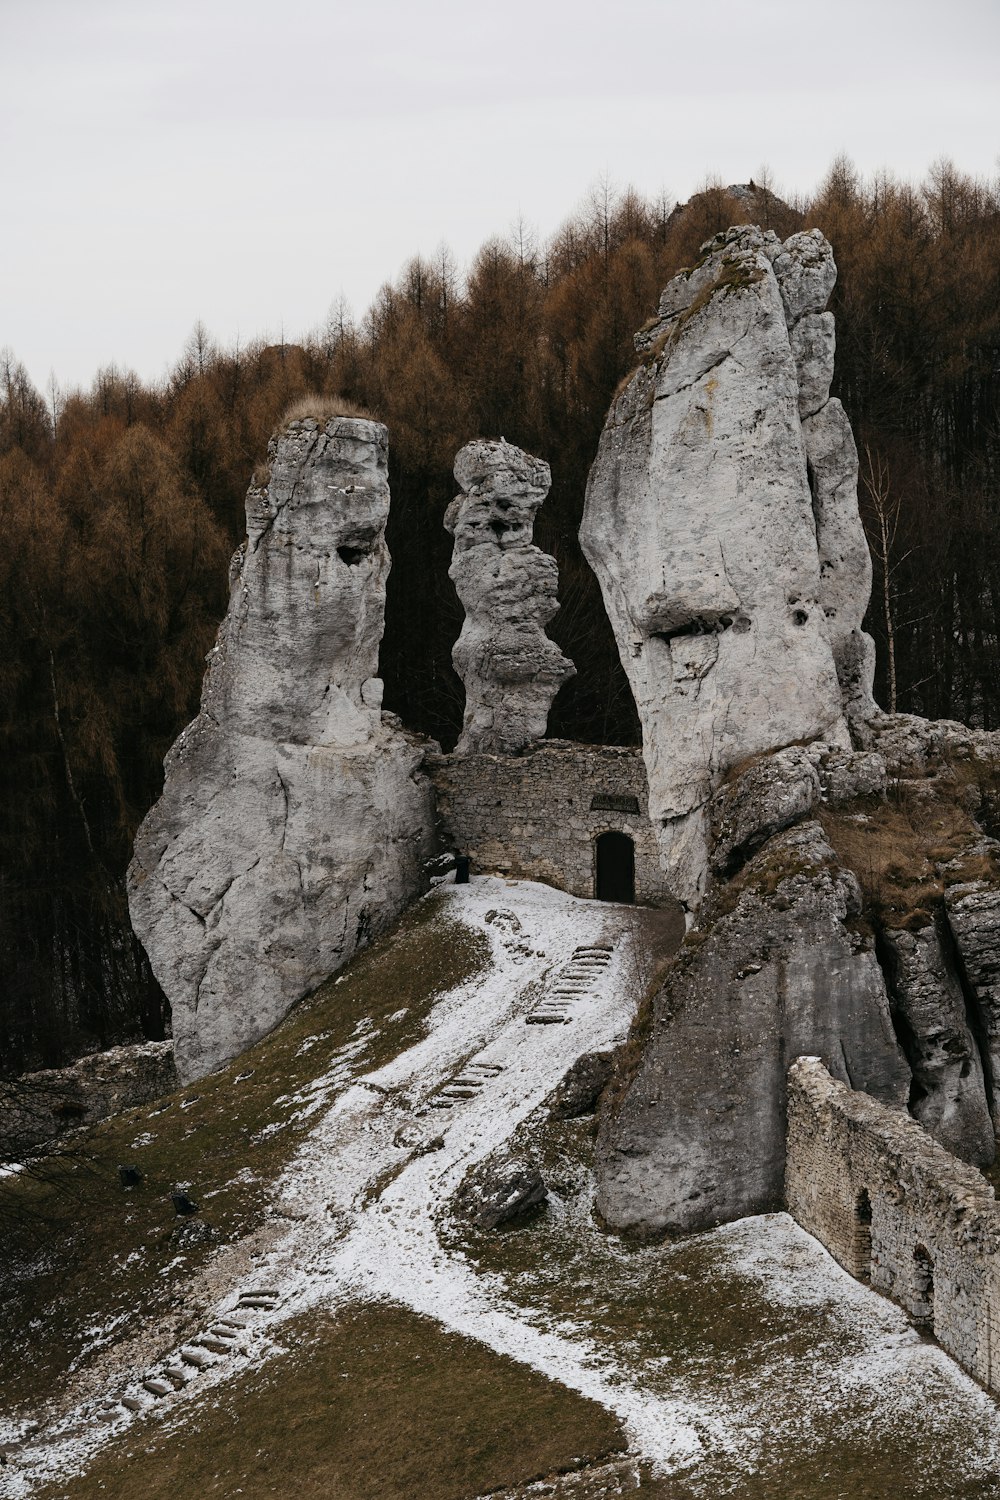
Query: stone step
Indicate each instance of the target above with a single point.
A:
(442, 1104)
(234, 1320)
(265, 1300)
(224, 1331)
(490, 1069)
(469, 1083)
(132, 1403)
(159, 1387)
(176, 1374)
(216, 1345)
(199, 1358)
(542, 1020)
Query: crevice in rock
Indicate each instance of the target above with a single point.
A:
(284, 793)
(905, 1035)
(973, 1011)
(181, 902)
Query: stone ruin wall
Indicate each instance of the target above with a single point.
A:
(531, 816)
(41, 1107)
(932, 1243)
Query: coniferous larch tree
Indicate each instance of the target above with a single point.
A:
(119, 508)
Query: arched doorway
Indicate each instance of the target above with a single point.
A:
(615, 868)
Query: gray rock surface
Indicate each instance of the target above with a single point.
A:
(734, 589)
(911, 745)
(973, 912)
(294, 821)
(692, 1132)
(772, 793)
(500, 1192)
(582, 1086)
(949, 1097)
(511, 670)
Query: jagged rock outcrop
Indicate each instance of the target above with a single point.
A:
(948, 1096)
(721, 519)
(973, 910)
(694, 1133)
(897, 985)
(294, 820)
(511, 670)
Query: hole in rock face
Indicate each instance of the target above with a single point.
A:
(352, 555)
(800, 617)
(500, 528)
(703, 625)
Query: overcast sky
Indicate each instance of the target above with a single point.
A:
(164, 161)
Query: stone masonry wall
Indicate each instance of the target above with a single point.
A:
(896, 1210)
(40, 1107)
(534, 816)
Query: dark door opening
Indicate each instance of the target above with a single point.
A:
(615, 879)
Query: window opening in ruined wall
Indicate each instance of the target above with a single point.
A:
(922, 1308)
(863, 1236)
(614, 878)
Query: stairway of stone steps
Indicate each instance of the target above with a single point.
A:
(577, 978)
(465, 1085)
(202, 1352)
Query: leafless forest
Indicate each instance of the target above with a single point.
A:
(119, 508)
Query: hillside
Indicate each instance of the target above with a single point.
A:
(347, 1330)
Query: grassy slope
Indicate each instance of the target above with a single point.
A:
(78, 1252)
(373, 1405)
(682, 1311)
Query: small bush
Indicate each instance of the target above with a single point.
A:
(323, 409)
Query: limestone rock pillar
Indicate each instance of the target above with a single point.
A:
(507, 585)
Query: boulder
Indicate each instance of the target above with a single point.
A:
(692, 1131)
(732, 562)
(771, 793)
(581, 1087)
(511, 670)
(499, 1192)
(294, 822)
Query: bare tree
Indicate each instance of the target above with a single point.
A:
(885, 508)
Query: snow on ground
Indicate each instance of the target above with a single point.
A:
(363, 1190)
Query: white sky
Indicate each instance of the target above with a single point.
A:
(168, 160)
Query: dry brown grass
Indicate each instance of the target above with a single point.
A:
(907, 850)
(375, 1403)
(322, 409)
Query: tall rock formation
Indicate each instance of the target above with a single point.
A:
(721, 519)
(832, 919)
(294, 821)
(511, 670)
(781, 965)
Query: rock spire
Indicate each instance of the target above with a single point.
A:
(511, 670)
(294, 823)
(721, 519)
